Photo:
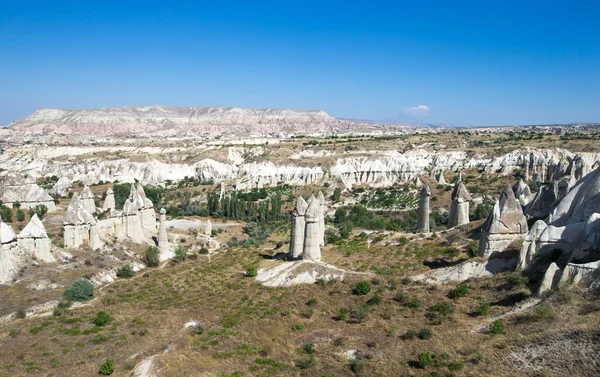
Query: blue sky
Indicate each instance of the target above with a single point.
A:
(454, 62)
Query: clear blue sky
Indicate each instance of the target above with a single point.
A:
(463, 62)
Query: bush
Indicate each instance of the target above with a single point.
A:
(459, 291)
(342, 314)
(497, 327)
(375, 300)
(102, 318)
(107, 368)
(425, 333)
(472, 249)
(357, 366)
(125, 271)
(543, 312)
(20, 215)
(251, 271)
(483, 309)
(407, 300)
(151, 256)
(360, 313)
(305, 363)
(61, 308)
(80, 290)
(204, 251)
(425, 360)
(308, 348)
(20, 313)
(362, 288)
(180, 254)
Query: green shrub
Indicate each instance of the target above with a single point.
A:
(459, 291)
(497, 327)
(483, 309)
(472, 249)
(251, 271)
(20, 313)
(517, 281)
(425, 359)
(180, 254)
(101, 319)
(342, 314)
(80, 290)
(61, 308)
(424, 334)
(125, 271)
(375, 300)
(305, 363)
(308, 348)
(407, 300)
(360, 313)
(107, 368)
(203, 251)
(20, 215)
(543, 312)
(151, 256)
(357, 366)
(410, 334)
(297, 327)
(362, 288)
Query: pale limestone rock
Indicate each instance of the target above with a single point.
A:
(61, 186)
(312, 233)
(77, 222)
(298, 228)
(34, 240)
(87, 199)
(24, 190)
(222, 191)
(109, 201)
(529, 246)
(522, 192)
(550, 280)
(579, 203)
(459, 208)
(163, 240)
(423, 215)
(322, 211)
(95, 242)
(505, 224)
(440, 178)
(208, 228)
(11, 259)
(574, 273)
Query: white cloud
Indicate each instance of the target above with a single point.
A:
(420, 110)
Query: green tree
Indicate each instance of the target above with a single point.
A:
(20, 215)
(337, 194)
(151, 256)
(80, 290)
(180, 253)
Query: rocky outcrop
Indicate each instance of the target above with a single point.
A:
(312, 234)
(208, 228)
(109, 201)
(574, 273)
(529, 248)
(306, 232)
(11, 259)
(77, 222)
(87, 199)
(459, 207)
(543, 202)
(298, 228)
(179, 121)
(505, 224)
(439, 178)
(61, 186)
(163, 240)
(522, 192)
(423, 214)
(550, 280)
(16, 188)
(34, 240)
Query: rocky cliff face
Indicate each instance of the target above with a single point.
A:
(176, 121)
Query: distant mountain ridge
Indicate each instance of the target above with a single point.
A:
(177, 121)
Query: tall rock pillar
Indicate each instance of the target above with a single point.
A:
(322, 210)
(298, 228)
(423, 216)
(312, 251)
(459, 208)
(109, 201)
(163, 240)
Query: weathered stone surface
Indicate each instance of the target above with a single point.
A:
(95, 242)
(543, 202)
(550, 280)
(10, 257)
(87, 199)
(440, 178)
(522, 192)
(529, 246)
(163, 239)
(574, 273)
(109, 201)
(459, 207)
(505, 224)
(423, 215)
(312, 234)
(208, 228)
(24, 190)
(61, 186)
(34, 240)
(77, 222)
(580, 203)
(322, 211)
(298, 228)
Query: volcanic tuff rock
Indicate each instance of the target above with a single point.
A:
(423, 215)
(177, 121)
(77, 222)
(505, 224)
(87, 199)
(11, 257)
(24, 190)
(459, 208)
(109, 201)
(298, 228)
(34, 240)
